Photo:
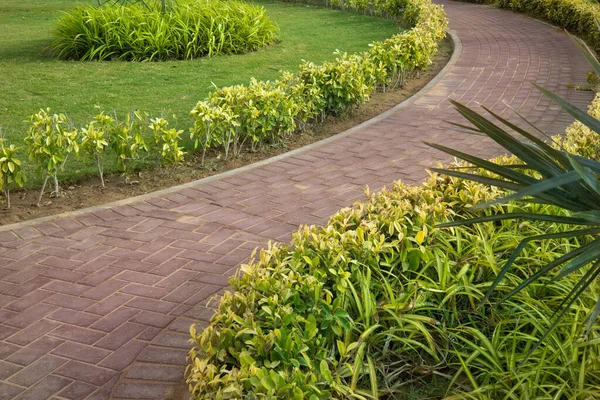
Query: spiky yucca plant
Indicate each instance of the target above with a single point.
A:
(545, 175)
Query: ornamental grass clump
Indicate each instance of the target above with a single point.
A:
(187, 29)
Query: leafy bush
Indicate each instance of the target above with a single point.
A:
(265, 112)
(579, 139)
(127, 141)
(344, 83)
(10, 169)
(95, 139)
(50, 141)
(578, 16)
(189, 29)
(167, 149)
(380, 299)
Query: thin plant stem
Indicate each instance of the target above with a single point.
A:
(7, 192)
(39, 200)
(56, 187)
(100, 163)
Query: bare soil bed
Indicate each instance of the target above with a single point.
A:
(88, 192)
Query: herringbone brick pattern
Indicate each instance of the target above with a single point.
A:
(97, 305)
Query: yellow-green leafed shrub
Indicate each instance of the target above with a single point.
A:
(10, 169)
(579, 139)
(142, 32)
(346, 82)
(49, 142)
(241, 116)
(379, 300)
(379, 303)
(577, 16)
(264, 112)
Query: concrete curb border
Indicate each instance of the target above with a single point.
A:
(457, 51)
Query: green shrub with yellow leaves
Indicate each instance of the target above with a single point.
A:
(385, 302)
(381, 304)
(265, 112)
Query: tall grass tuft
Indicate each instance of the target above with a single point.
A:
(188, 29)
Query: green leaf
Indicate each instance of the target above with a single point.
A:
(535, 189)
(586, 52)
(325, 372)
(246, 360)
(526, 216)
(577, 113)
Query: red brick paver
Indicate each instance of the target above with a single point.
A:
(98, 304)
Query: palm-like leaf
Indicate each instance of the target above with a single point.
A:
(553, 177)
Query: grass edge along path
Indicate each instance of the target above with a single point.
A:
(163, 88)
(416, 48)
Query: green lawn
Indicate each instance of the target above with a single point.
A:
(30, 79)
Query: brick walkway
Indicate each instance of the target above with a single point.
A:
(97, 304)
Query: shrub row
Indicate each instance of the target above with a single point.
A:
(142, 32)
(381, 304)
(52, 139)
(235, 118)
(264, 112)
(578, 16)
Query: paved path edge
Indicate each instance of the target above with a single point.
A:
(457, 51)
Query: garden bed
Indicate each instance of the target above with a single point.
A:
(237, 120)
(87, 192)
(385, 302)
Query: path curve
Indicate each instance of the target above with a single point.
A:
(97, 304)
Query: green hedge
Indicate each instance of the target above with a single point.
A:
(578, 16)
(249, 115)
(188, 29)
(381, 304)
(239, 117)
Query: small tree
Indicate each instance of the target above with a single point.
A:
(10, 169)
(166, 142)
(127, 142)
(210, 123)
(50, 141)
(95, 141)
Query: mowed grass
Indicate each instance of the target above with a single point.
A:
(30, 79)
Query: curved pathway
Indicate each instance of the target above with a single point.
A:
(97, 304)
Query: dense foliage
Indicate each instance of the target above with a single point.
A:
(264, 112)
(143, 32)
(379, 303)
(545, 174)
